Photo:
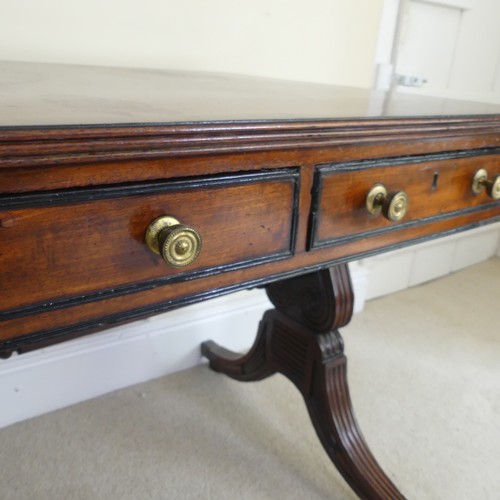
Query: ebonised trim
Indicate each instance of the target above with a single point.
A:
(43, 337)
(401, 226)
(87, 195)
(38, 146)
(400, 160)
(119, 291)
(317, 190)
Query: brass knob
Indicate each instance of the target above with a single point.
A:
(393, 206)
(179, 245)
(481, 182)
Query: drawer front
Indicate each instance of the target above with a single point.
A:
(437, 189)
(61, 249)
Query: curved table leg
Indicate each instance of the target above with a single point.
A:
(250, 367)
(331, 412)
(300, 340)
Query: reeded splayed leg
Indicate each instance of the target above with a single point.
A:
(300, 339)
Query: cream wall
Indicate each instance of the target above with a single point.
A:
(331, 41)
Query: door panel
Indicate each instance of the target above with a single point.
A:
(452, 48)
(427, 43)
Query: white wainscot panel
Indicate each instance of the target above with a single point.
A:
(400, 269)
(74, 371)
(475, 248)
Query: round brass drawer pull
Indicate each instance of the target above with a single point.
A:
(179, 245)
(393, 206)
(481, 182)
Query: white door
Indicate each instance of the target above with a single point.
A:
(449, 48)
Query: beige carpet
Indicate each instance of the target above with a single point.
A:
(425, 380)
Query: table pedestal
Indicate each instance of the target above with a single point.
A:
(300, 339)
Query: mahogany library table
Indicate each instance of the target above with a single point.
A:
(125, 193)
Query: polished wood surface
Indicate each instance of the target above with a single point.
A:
(90, 242)
(438, 188)
(54, 95)
(274, 175)
(271, 196)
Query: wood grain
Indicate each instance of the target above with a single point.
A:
(436, 188)
(73, 245)
(89, 156)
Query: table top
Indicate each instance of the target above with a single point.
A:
(52, 95)
(275, 175)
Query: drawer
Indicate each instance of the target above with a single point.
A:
(438, 188)
(68, 247)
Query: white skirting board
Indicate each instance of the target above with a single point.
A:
(416, 264)
(81, 369)
(47, 379)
